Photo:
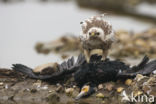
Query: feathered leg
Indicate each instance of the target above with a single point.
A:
(104, 55)
(87, 55)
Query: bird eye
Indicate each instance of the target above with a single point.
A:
(97, 33)
(81, 22)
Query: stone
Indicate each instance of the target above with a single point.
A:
(128, 82)
(100, 95)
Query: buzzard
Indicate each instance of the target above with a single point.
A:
(96, 36)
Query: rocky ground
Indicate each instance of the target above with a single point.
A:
(16, 88)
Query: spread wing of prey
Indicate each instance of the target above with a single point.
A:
(65, 68)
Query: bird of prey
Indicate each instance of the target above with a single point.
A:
(96, 36)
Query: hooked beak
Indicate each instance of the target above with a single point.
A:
(80, 95)
(92, 34)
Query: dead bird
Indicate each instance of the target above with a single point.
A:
(89, 75)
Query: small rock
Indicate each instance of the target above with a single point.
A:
(53, 98)
(6, 86)
(27, 89)
(103, 102)
(44, 87)
(37, 84)
(33, 90)
(137, 93)
(100, 86)
(69, 91)
(100, 95)
(64, 56)
(139, 77)
(128, 82)
(146, 89)
(151, 80)
(74, 86)
(49, 91)
(58, 84)
(120, 89)
(1, 83)
(59, 89)
(109, 86)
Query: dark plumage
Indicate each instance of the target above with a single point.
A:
(64, 69)
(94, 72)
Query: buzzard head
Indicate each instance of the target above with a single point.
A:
(96, 27)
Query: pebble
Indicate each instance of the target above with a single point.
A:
(128, 82)
(137, 93)
(109, 86)
(58, 84)
(100, 86)
(44, 87)
(33, 90)
(53, 98)
(59, 89)
(120, 89)
(139, 77)
(6, 86)
(74, 86)
(100, 95)
(69, 91)
(1, 83)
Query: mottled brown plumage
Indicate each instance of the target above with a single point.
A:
(98, 23)
(97, 34)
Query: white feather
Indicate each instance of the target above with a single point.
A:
(111, 36)
(100, 30)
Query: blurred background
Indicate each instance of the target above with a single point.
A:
(24, 23)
